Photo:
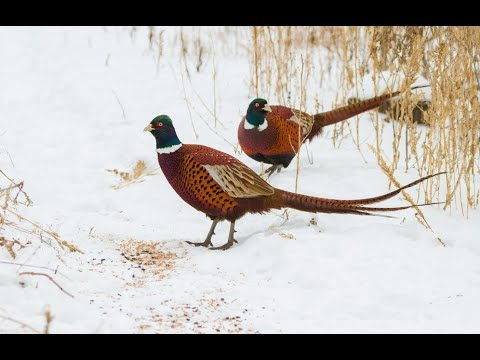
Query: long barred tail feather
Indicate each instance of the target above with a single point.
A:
(335, 206)
(389, 195)
(363, 210)
(345, 112)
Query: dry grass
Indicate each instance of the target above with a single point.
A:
(291, 65)
(48, 320)
(21, 325)
(9, 245)
(13, 195)
(138, 174)
(286, 60)
(447, 58)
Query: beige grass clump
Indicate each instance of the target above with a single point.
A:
(138, 174)
(13, 195)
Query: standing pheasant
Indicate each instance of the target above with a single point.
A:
(224, 188)
(274, 134)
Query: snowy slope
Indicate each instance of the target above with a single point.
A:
(62, 91)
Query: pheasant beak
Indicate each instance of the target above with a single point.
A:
(149, 127)
(267, 108)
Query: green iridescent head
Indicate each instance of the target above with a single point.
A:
(257, 112)
(162, 129)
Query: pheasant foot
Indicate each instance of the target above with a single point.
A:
(230, 241)
(272, 169)
(208, 240)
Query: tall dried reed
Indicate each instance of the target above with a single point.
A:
(292, 65)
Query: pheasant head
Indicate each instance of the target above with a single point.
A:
(256, 114)
(164, 132)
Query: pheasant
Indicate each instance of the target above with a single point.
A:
(224, 188)
(274, 134)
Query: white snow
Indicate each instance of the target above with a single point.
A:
(73, 103)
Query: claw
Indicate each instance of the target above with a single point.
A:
(204, 244)
(208, 240)
(223, 247)
(230, 241)
(272, 169)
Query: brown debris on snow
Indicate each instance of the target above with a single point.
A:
(204, 317)
(149, 256)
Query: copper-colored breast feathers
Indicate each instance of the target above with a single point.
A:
(207, 193)
(216, 180)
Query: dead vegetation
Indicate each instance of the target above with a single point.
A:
(149, 257)
(447, 57)
(136, 175)
(49, 278)
(286, 61)
(196, 317)
(9, 245)
(17, 233)
(46, 329)
(12, 196)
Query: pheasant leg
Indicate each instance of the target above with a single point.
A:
(231, 240)
(208, 240)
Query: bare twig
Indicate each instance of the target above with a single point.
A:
(32, 266)
(47, 276)
(188, 105)
(31, 256)
(20, 187)
(55, 236)
(121, 106)
(387, 171)
(299, 134)
(20, 323)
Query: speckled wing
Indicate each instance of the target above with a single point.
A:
(304, 120)
(235, 178)
(237, 182)
(297, 117)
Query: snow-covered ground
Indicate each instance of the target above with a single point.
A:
(73, 103)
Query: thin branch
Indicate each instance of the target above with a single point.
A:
(47, 276)
(188, 103)
(121, 106)
(31, 255)
(20, 323)
(12, 187)
(32, 266)
(20, 187)
(300, 140)
(62, 243)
